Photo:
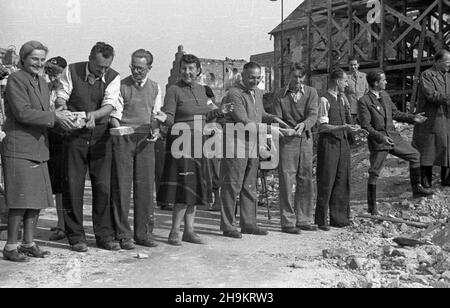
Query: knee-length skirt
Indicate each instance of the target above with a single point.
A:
(184, 180)
(27, 184)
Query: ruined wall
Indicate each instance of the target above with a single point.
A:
(267, 61)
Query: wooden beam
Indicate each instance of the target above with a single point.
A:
(361, 53)
(309, 38)
(406, 19)
(441, 22)
(350, 27)
(417, 21)
(418, 66)
(407, 66)
(366, 27)
(382, 44)
(329, 34)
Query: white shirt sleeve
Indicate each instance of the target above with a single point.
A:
(112, 93)
(66, 88)
(158, 102)
(118, 112)
(324, 108)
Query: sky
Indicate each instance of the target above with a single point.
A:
(214, 29)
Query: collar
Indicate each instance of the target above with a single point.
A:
(287, 90)
(244, 87)
(89, 72)
(334, 93)
(376, 93)
(143, 81)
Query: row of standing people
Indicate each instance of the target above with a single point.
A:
(94, 88)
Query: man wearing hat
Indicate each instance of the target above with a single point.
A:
(93, 88)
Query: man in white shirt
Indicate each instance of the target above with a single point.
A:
(93, 88)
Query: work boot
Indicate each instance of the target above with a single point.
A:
(418, 190)
(372, 199)
(427, 177)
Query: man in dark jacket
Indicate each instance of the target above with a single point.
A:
(432, 138)
(376, 113)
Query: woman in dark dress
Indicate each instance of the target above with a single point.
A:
(25, 150)
(184, 182)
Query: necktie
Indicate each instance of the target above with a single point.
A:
(91, 79)
(252, 94)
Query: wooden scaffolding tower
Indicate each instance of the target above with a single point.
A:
(398, 36)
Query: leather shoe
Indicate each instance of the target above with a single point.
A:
(193, 238)
(80, 247)
(292, 230)
(34, 252)
(167, 207)
(256, 231)
(147, 243)
(127, 244)
(233, 234)
(174, 239)
(214, 208)
(108, 245)
(308, 227)
(325, 228)
(15, 256)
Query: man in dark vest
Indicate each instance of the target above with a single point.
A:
(376, 114)
(432, 138)
(333, 155)
(91, 87)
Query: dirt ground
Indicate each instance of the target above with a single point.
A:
(363, 255)
(278, 260)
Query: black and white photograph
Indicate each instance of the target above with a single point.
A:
(224, 151)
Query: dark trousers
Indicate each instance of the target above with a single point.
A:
(296, 169)
(239, 178)
(213, 177)
(133, 167)
(82, 155)
(160, 155)
(333, 181)
(402, 150)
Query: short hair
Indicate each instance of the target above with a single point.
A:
(251, 66)
(353, 59)
(28, 48)
(142, 53)
(441, 54)
(374, 76)
(299, 67)
(106, 50)
(336, 74)
(191, 59)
